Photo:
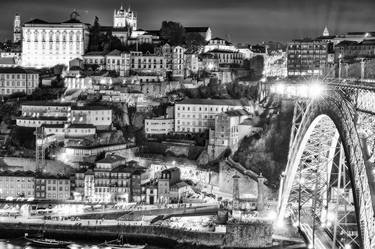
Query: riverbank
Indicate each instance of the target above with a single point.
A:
(236, 236)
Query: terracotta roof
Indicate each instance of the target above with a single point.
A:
(111, 159)
(81, 126)
(7, 61)
(83, 108)
(115, 52)
(230, 102)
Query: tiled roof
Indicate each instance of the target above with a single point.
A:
(222, 51)
(37, 21)
(238, 112)
(44, 118)
(111, 159)
(230, 102)
(115, 52)
(41, 103)
(83, 108)
(17, 173)
(7, 61)
(95, 53)
(11, 70)
(58, 126)
(347, 43)
(180, 185)
(81, 126)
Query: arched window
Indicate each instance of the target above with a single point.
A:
(36, 36)
(71, 36)
(64, 36)
(78, 36)
(43, 36)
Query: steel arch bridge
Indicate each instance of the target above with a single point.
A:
(328, 187)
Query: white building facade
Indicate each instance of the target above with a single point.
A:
(198, 115)
(47, 44)
(14, 80)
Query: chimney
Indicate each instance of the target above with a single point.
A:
(260, 199)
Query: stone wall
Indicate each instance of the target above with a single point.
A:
(247, 185)
(252, 235)
(25, 164)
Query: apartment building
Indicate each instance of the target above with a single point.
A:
(147, 63)
(15, 79)
(159, 125)
(198, 115)
(99, 116)
(17, 184)
(52, 187)
(307, 57)
(226, 134)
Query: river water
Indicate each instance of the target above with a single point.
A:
(22, 244)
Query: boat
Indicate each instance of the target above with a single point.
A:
(43, 242)
(119, 244)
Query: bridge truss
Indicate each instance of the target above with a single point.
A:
(328, 186)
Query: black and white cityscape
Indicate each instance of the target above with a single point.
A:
(174, 124)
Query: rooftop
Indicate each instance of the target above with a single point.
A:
(13, 70)
(95, 53)
(111, 159)
(7, 61)
(180, 185)
(229, 102)
(44, 118)
(238, 112)
(56, 126)
(81, 126)
(115, 52)
(90, 108)
(174, 169)
(17, 173)
(44, 103)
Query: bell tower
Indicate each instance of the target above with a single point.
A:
(17, 30)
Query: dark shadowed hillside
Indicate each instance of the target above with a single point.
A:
(267, 153)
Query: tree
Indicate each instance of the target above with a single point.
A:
(94, 42)
(194, 40)
(173, 33)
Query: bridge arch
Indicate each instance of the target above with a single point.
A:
(327, 143)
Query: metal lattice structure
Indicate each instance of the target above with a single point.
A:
(328, 186)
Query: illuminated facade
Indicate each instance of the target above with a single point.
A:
(14, 80)
(46, 44)
(125, 18)
(198, 115)
(17, 31)
(16, 184)
(307, 57)
(159, 125)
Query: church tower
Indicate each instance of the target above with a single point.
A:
(17, 29)
(125, 18)
(325, 32)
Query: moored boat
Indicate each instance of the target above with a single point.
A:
(49, 243)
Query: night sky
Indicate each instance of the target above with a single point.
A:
(236, 20)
